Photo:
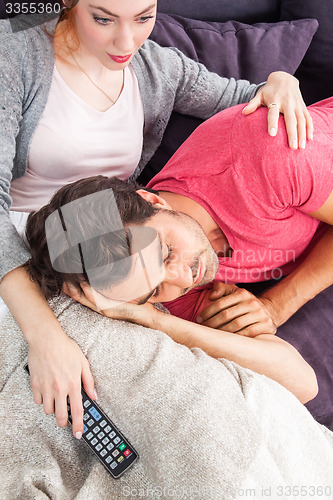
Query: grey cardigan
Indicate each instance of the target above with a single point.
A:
(167, 81)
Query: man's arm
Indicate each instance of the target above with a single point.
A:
(311, 277)
(264, 354)
(238, 311)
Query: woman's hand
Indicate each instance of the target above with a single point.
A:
(281, 94)
(56, 362)
(236, 310)
(57, 366)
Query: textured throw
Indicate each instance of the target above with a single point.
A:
(203, 428)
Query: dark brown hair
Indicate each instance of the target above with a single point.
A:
(106, 249)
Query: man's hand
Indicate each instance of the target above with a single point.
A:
(236, 310)
(281, 94)
(144, 314)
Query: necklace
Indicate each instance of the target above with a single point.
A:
(95, 84)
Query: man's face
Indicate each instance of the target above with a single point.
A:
(188, 260)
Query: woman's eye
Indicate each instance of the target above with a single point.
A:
(144, 19)
(102, 20)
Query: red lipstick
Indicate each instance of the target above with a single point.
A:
(120, 59)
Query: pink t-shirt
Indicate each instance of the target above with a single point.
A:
(257, 190)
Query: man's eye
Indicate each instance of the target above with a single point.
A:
(157, 292)
(170, 253)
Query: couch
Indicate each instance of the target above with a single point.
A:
(244, 49)
(250, 39)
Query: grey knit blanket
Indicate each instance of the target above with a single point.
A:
(204, 428)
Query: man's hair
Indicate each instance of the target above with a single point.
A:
(105, 250)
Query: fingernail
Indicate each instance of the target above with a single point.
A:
(244, 109)
(78, 435)
(272, 131)
(303, 144)
(199, 319)
(294, 144)
(311, 137)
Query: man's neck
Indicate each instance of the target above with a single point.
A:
(186, 205)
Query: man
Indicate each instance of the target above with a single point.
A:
(232, 209)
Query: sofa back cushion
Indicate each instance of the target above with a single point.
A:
(255, 11)
(316, 70)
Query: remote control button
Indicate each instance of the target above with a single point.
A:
(89, 435)
(102, 424)
(87, 403)
(97, 416)
(107, 429)
(113, 465)
(85, 428)
(108, 459)
(115, 453)
(122, 446)
(103, 453)
(90, 422)
(117, 440)
(94, 441)
(96, 429)
(112, 434)
(86, 416)
(120, 459)
(100, 435)
(105, 440)
(99, 447)
(127, 452)
(110, 446)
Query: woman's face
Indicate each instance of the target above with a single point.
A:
(113, 30)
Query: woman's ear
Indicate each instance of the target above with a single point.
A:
(68, 4)
(154, 199)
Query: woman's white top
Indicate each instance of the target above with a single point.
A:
(74, 140)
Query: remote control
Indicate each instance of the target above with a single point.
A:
(103, 437)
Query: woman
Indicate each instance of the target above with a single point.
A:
(91, 76)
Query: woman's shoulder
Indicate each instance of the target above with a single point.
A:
(23, 43)
(25, 31)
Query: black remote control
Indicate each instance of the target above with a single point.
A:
(103, 437)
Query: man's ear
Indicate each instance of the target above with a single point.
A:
(154, 199)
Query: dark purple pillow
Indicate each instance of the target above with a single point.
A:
(255, 11)
(231, 49)
(316, 70)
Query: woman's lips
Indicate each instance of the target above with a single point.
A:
(120, 59)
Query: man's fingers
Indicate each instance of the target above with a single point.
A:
(226, 316)
(258, 329)
(241, 297)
